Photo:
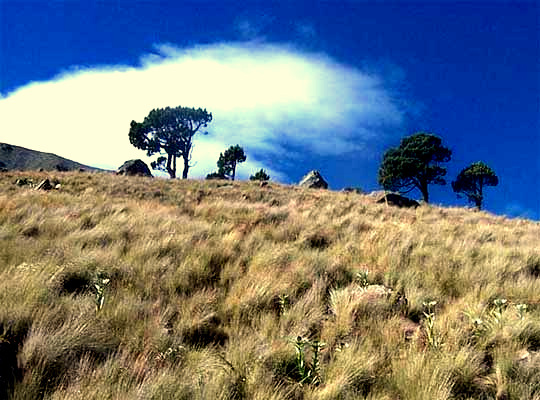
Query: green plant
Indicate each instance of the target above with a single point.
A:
(361, 278)
(99, 289)
(521, 310)
(483, 324)
(171, 354)
(260, 175)
(316, 347)
(229, 160)
(415, 164)
(471, 182)
(169, 131)
(308, 372)
(283, 302)
(429, 314)
(497, 313)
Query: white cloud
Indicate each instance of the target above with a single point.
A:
(262, 96)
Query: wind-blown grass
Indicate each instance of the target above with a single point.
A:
(123, 288)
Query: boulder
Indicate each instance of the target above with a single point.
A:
(45, 184)
(373, 293)
(313, 180)
(134, 168)
(395, 199)
(349, 189)
(23, 182)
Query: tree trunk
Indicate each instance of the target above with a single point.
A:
(186, 167)
(424, 190)
(233, 170)
(480, 196)
(478, 203)
(171, 170)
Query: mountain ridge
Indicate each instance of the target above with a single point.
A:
(20, 158)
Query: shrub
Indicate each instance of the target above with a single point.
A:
(260, 175)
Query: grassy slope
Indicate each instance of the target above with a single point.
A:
(20, 158)
(210, 284)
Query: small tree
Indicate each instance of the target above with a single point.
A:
(215, 175)
(414, 164)
(169, 131)
(260, 175)
(471, 181)
(228, 161)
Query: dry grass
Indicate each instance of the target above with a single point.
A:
(206, 286)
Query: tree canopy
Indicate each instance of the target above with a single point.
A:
(260, 175)
(216, 175)
(471, 181)
(414, 164)
(228, 161)
(169, 131)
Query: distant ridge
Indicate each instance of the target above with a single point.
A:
(19, 158)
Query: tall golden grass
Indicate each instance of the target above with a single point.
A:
(135, 288)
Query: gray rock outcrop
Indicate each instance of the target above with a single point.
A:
(45, 184)
(313, 180)
(134, 168)
(352, 190)
(395, 199)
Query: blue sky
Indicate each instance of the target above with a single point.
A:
(301, 85)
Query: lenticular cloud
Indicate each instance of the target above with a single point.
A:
(267, 98)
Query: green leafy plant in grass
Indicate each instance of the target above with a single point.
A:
(308, 372)
(361, 278)
(99, 289)
(521, 310)
(316, 347)
(494, 319)
(171, 354)
(429, 314)
(283, 302)
(497, 312)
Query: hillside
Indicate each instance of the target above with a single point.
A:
(136, 288)
(21, 159)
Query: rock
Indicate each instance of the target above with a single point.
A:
(373, 293)
(523, 356)
(45, 184)
(409, 328)
(376, 194)
(395, 199)
(23, 182)
(352, 190)
(134, 168)
(313, 180)
(263, 184)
